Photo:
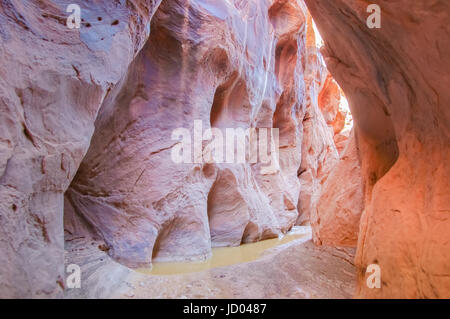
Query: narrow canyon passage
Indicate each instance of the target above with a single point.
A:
(148, 209)
(213, 149)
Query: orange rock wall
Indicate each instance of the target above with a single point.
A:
(396, 80)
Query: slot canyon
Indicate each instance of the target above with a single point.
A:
(355, 172)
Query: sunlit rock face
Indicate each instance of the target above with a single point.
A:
(341, 140)
(329, 101)
(396, 80)
(52, 83)
(223, 64)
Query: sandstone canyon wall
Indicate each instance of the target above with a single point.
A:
(319, 153)
(396, 79)
(234, 64)
(52, 84)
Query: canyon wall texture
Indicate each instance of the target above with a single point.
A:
(335, 222)
(396, 79)
(104, 108)
(238, 64)
(53, 81)
(319, 154)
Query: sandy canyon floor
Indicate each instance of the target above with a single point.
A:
(289, 267)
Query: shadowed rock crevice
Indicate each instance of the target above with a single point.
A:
(231, 106)
(227, 211)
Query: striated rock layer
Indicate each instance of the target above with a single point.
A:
(396, 79)
(223, 64)
(52, 83)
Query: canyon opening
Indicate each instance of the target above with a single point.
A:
(210, 149)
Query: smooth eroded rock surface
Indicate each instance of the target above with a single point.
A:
(336, 220)
(52, 83)
(396, 79)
